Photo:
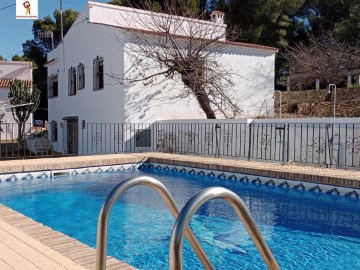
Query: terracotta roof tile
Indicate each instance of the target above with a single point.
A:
(5, 83)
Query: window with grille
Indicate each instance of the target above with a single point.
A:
(72, 81)
(98, 70)
(53, 86)
(81, 76)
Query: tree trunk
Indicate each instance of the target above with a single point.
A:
(204, 103)
(201, 97)
(19, 132)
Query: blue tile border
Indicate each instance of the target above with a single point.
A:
(225, 176)
(48, 174)
(260, 180)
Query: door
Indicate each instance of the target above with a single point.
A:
(72, 128)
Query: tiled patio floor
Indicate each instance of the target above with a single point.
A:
(26, 244)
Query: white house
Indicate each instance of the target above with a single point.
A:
(9, 71)
(81, 90)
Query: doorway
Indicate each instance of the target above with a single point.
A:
(72, 135)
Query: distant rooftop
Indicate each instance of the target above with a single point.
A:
(5, 83)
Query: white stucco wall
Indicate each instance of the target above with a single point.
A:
(12, 70)
(82, 44)
(148, 102)
(252, 71)
(253, 74)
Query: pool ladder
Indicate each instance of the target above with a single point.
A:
(181, 227)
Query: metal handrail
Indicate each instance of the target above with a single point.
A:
(102, 227)
(177, 236)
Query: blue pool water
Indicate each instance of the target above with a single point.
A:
(304, 230)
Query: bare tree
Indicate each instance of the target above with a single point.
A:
(325, 58)
(172, 47)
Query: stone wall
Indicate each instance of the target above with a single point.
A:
(319, 103)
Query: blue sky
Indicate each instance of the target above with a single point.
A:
(14, 32)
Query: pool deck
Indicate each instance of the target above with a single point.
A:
(27, 244)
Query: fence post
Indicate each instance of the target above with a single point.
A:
(283, 143)
(249, 147)
(288, 143)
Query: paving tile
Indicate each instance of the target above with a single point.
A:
(22, 248)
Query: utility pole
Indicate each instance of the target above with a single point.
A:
(280, 101)
(62, 35)
(61, 23)
(331, 87)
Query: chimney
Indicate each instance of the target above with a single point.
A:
(217, 17)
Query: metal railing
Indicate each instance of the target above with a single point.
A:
(101, 240)
(34, 142)
(186, 213)
(181, 227)
(324, 144)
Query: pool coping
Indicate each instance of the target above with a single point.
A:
(328, 176)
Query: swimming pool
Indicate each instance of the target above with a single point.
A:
(305, 230)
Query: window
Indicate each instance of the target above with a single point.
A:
(98, 69)
(53, 131)
(81, 76)
(53, 86)
(72, 81)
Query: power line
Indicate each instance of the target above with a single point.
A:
(73, 3)
(46, 5)
(7, 7)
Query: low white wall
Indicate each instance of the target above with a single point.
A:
(310, 140)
